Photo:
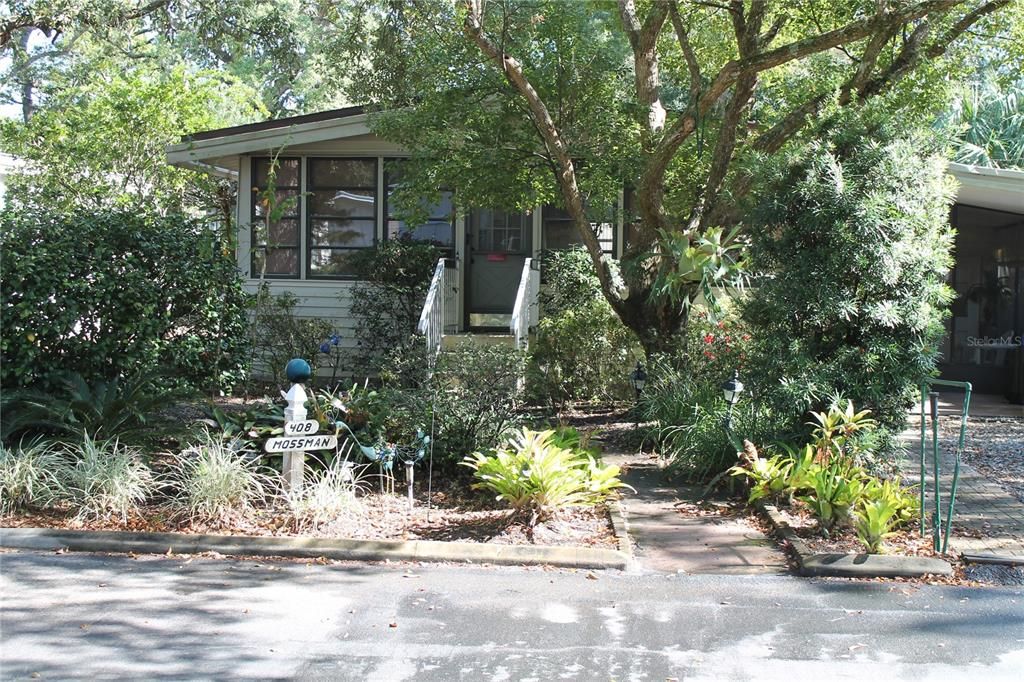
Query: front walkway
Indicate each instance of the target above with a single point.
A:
(668, 541)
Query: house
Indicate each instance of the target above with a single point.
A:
(341, 175)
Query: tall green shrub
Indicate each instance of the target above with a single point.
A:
(388, 298)
(582, 351)
(116, 293)
(854, 245)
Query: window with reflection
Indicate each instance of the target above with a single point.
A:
(435, 223)
(342, 213)
(275, 217)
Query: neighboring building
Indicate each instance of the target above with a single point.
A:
(986, 329)
(336, 171)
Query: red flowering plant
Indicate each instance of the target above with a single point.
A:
(714, 348)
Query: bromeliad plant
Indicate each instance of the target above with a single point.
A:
(834, 490)
(536, 476)
(769, 477)
(885, 506)
(837, 432)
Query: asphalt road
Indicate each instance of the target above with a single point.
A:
(106, 617)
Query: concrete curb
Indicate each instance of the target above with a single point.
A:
(620, 526)
(851, 565)
(120, 542)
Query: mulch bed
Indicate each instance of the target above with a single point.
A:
(994, 446)
(454, 516)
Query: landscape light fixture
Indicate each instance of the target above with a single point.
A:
(731, 390)
(638, 377)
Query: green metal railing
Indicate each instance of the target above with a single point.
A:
(940, 536)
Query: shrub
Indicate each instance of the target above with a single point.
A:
(581, 354)
(833, 491)
(769, 477)
(129, 408)
(117, 293)
(475, 397)
(854, 244)
(684, 397)
(279, 335)
(582, 351)
(104, 478)
(28, 476)
(387, 299)
(534, 475)
(214, 479)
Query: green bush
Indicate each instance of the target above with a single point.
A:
(387, 299)
(884, 507)
(534, 475)
(117, 293)
(854, 245)
(278, 335)
(475, 397)
(684, 398)
(582, 351)
(28, 476)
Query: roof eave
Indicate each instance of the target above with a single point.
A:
(234, 144)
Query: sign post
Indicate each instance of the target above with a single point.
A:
(294, 461)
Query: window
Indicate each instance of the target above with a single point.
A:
(560, 232)
(342, 213)
(439, 225)
(495, 231)
(275, 243)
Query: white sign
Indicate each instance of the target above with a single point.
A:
(289, 443)
(303, 428)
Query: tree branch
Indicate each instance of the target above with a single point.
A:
(644, 39)
(683, 36)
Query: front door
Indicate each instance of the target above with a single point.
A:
(498, 243)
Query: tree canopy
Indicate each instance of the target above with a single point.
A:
(517, 103)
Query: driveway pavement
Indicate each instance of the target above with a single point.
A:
(83, 616)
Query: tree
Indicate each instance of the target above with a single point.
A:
(99, 145)
(516, 103)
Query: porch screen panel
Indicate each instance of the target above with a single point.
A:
(560, 232)
(275, 218)
(438, 217)
(342, 213)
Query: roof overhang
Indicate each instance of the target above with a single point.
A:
(994, 188)
(217, 151)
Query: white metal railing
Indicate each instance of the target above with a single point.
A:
(439, 308)
(525, 312)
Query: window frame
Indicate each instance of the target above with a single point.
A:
(310, 216)
(255, 220)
